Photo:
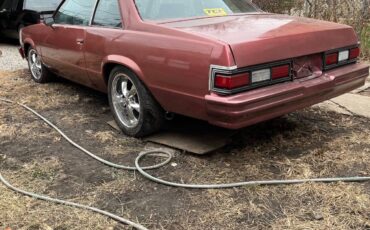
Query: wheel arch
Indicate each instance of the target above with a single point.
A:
(27, 44)
(112, 61)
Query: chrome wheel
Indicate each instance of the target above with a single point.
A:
(125, 100)
(34, 62)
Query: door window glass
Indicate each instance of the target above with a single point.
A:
(41, 5)
(75, 12)
(108, 14)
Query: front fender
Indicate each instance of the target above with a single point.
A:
(28, 42)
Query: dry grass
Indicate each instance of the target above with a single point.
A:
(310, 206)
(21, 212)
(41, 96)
(25, 213)
(309, 143)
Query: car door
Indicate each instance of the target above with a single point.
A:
(64, 45)
(106, 27)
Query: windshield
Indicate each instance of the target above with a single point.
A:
(41, 5)
(174, 9)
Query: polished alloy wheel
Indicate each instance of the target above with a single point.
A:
(125, 100)
(35, 64)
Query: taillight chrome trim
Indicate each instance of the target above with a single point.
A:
(232, 70)
(217, 69)
(338, 64)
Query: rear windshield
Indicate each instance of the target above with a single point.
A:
(41, 5)
(175, 9)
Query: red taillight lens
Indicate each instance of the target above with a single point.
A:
(332, 59)
(354, 53)
(280, 72)
(232, 82)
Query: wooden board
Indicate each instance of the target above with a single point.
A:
(190, 136)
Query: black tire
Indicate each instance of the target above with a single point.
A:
(45, 76)
(151, 116)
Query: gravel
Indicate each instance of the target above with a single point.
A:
(10, 59)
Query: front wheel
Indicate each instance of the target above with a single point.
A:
(134, 108)
(39, 72)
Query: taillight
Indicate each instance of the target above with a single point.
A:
(232, 81)
(332, 59)
(341, 57)
(228, 80)
(354, 53)
(280, 72)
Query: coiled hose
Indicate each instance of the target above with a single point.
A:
(142, 171)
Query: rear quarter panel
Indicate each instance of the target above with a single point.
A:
(173, 65)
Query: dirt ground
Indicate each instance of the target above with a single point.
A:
(305, 144)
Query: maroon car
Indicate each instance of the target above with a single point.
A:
(223, 61)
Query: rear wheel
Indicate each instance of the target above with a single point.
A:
(39, 72)
(134, 108)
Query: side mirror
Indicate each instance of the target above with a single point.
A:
(49, 21)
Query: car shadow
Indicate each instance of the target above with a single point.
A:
(8, 41)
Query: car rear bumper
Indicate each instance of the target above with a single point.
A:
(241, 110)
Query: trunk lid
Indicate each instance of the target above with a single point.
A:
(261, 38)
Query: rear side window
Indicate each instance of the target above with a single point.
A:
(75, 12)
(108, 14)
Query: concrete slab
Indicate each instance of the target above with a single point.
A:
(363, 88)
(356, 104)
(331, 106)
